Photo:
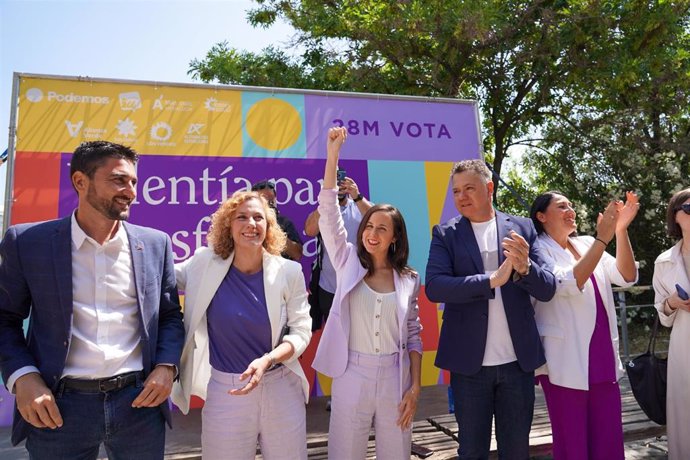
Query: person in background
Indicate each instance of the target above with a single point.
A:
(484, 265)
(353, 206)
(578, 326)
(105, 327)
(293, 243)
(247, 322)
(371, 345)
(671, 269)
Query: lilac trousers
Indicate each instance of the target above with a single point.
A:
(586, 425)
(273, 414)
(367, 394)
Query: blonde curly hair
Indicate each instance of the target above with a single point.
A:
(220, 236)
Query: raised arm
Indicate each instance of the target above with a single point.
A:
(336, 138)
(349, 186)
(606, 227)
(625, 258)
(331, 224)
(311, 225)
(293, 245)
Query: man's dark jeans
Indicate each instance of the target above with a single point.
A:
(505, 392)
(90, 419)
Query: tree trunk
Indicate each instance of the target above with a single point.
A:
(499, 155)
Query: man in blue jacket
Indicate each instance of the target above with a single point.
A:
(105, 327)
(484, 265)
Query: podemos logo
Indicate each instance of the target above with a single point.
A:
(34, 95)
(77, 98)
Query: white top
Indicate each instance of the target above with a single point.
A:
(499, 346)
(105, 317)
(351, 218)
(566, 322)
(105, 332)
(373, 321)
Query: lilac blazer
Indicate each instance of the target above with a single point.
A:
(332, 353)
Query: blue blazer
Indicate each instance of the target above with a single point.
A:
(455, 276)
(36, 282)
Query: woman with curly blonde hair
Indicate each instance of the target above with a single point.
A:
(247, 321)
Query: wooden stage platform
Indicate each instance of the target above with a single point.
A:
(439, 433)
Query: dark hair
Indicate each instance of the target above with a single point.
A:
(672, 228)
(476, 166)
(398, 252)
(264, 184)
(90, 156)
(540, 204)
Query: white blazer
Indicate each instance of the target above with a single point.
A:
(566, 322)
(669, 270)
(286, 300)
(332, 353)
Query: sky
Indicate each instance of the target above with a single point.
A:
(140, 40)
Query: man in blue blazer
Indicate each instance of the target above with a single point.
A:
(105, 327)
(484, 265)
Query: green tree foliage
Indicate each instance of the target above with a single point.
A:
(597, 90)
(506, 54)
(623, 120)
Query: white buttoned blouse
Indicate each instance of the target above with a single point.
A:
(374, 321)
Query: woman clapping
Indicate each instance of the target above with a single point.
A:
(579, 326)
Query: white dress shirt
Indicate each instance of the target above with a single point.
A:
(351, 218)
(499, 345)
(105, 317)
(373, 321)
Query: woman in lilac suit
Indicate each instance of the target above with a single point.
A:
(371, 345)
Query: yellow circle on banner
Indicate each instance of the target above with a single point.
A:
(273, 124)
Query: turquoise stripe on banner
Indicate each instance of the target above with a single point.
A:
(403, 184)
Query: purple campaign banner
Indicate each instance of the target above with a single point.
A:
(394, 129)
(178, 194)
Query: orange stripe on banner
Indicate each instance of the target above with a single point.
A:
(36, 187)
(196, 403)
(428, 315)
(308, 357)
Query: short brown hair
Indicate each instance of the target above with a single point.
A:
(220, 236)
(672, 228)
(90, 156)
(476, 166)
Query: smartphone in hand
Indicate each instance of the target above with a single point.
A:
(342, 174)
(681, 292)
